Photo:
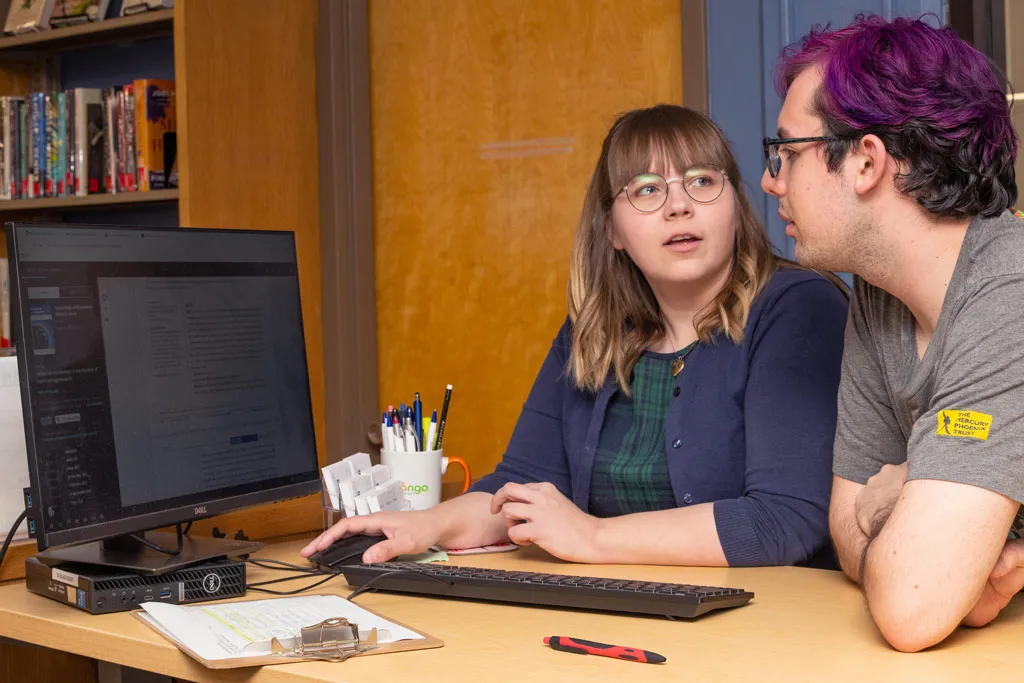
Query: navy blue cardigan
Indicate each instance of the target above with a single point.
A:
(750, 430)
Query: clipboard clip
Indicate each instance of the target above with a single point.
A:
(332, 640)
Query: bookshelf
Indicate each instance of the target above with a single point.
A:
(114, 51)
(120, 29)
(58, 204)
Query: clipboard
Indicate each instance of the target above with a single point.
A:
(331, 640)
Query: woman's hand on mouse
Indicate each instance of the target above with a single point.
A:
(406, 533)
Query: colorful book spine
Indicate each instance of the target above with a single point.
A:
(14, 119)
(5, 150)
(50, 166)
(89, 136)
(129, 138)
(69, 140)
(95, 138)
(60, 161)
(24, 139)
(110, 138)
(37, 144)
(155, 128)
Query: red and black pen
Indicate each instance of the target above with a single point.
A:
(589, 647)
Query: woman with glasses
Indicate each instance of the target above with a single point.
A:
(686, 410)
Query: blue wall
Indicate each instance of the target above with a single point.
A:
(744, 41)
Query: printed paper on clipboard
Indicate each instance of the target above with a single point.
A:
(236, 634)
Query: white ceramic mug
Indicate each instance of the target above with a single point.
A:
(420, 473)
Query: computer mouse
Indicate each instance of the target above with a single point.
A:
(348, 550)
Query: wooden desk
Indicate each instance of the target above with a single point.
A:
(803, 624)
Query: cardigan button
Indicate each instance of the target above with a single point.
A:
(675, 392)
(687, 499)
(677, 443)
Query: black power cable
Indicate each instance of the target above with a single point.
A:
(10, 534)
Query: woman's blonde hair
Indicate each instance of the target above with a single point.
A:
(614, 313)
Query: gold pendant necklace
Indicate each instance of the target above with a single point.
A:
(679, 362)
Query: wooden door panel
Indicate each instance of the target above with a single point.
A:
(488, 118)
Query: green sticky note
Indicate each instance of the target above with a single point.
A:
(425, 557)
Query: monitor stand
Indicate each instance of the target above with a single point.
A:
(125, 552)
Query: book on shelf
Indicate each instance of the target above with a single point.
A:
(87, 146)
(54, 185)
(110, 149)
(10, 143)
(85, 141)
(21, 151)
(27, 16)
(130, 7)
(75, 12)
(36, 144)
(155, 134)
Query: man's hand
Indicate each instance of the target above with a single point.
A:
(540, 514)
(877, 499)
(1005, 581)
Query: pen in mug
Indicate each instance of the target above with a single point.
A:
(389, 440)
(431, 433)
(417, 420)
(399, 434)
(410, 438)
(385, 433)
(444, 416)
(415, 429)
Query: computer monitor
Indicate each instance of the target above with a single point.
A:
(164, 379)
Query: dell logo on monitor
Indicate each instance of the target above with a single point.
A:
(201, 510)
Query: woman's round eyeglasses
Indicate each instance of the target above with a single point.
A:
(648, 192)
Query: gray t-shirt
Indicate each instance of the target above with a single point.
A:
(958, 413)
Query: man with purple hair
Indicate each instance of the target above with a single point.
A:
(894, 161)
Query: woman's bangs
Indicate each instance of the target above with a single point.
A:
(638, 148)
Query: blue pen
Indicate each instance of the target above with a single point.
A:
(417, 420)
(432, 434)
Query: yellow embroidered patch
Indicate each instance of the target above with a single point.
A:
(964, 423)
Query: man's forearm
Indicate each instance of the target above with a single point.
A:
(929, 566)
(850, 540)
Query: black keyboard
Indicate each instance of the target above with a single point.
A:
(552, 590)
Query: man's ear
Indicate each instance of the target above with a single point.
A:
(870, 162)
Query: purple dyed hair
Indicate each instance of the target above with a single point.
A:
(937, 104)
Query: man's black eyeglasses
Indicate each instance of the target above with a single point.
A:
(771, 150)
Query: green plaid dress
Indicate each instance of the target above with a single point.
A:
(631, 467)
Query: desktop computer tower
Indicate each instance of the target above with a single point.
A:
(98, 590)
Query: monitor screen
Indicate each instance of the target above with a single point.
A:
(164, 375)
